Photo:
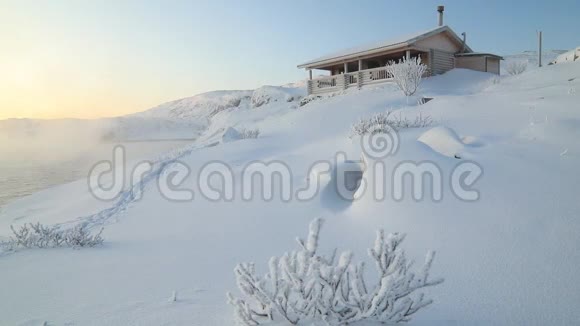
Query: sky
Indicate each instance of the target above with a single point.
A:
(91, 59)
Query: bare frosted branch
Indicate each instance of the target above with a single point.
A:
(303, 286)
(407, 74)
(32, 235)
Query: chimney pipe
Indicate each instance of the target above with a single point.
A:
(440, 9)
(464, 42)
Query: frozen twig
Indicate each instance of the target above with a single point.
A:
(303, 286)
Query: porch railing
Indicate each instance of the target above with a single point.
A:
(356, 79)
(376, 74)
(351, 78)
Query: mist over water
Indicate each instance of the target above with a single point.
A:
(33, 158)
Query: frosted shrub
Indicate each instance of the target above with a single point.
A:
(271, 94)
(308, 99)
(516, 67)
(387, 122)
(249, 133)
(41, 236)
(225, 103)
(407, 74)
(312, 98)
(80, 236)
(378, 123)
(304, 286)
(420, 121)
(35, 235)
(260, 97)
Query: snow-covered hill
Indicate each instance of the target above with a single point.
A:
(199, 107)
(186, 118)
(509, 258)
(531, 58)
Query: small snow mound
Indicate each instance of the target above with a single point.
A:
(472, 141)
(270, 94)
(231, 135)
(443, 140)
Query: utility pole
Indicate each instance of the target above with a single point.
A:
(539, 48)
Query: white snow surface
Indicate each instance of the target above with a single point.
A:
(531, 58)
(568, 56)
(443, 140)
(510, 258)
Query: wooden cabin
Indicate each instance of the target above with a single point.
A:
(439, 48)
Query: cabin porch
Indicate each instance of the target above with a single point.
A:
(361, 72)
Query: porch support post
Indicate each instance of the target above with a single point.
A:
(408, 54)
(345, 67)
(310, 74)
(359, 75)
(431, 62)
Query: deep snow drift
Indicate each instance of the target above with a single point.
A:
(510, 257)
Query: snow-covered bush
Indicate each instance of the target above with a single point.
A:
(311, 98)
(40, 236)
(387, 122)
(407, 74)
(269, 94)
(80, 236)
(378, 123)
(227, 102)
(249, 133)
(308, 99)
(304, 286)
(231, 134)
(516, 67)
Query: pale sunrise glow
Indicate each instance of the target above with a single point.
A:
(260, 162)
(87, 60)
(90, 59)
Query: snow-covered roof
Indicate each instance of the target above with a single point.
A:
(479, 54)
(393, 43)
